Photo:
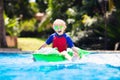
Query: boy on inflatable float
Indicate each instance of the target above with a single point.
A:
(61, 40)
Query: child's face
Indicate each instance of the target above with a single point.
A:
(59, 26)
(59, 29)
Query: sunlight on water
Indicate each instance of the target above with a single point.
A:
(91, 67)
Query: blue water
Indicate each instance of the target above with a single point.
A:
(14, 66)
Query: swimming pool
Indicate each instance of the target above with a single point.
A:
(96, 66)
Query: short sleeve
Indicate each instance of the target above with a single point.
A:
(69, 42)
(50, 39)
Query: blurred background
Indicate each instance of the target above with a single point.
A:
(92, 24)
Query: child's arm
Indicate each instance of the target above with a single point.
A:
(75, 49)
(44, 45)
(48, 41)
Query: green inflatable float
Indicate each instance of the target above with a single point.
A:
(52, 55)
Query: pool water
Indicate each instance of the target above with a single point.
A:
(19, 66)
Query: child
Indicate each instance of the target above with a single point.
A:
(60, 39)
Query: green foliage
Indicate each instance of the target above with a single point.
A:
(113, 25)
(14, 22)
(28, 25)
(12, 26)
(71, 11)
(46, 20)
(34, 7)
(20, 7)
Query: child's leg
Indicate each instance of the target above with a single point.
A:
(66, 55)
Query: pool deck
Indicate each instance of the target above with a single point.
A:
(17, 49)
(105, 51)
(92, 51)
(10, 49)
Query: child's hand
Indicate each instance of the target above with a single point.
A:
(75, 57)
(75, 54)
